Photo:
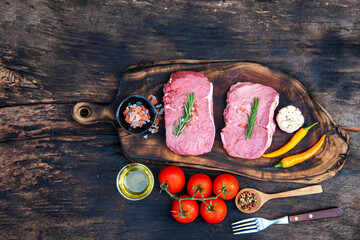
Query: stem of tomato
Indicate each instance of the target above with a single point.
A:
(198, 189)
(210, 208)
(165, 187)
(182, 213)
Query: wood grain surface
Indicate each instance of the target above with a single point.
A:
(149, 79)
(57, 177)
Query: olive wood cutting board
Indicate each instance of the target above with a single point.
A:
(146, 79)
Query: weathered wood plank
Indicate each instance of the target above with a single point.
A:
(25, 90)
(44, 120)
(53, 40)
(66, 186)
(57, 177)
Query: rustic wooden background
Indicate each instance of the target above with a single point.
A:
(57, 177)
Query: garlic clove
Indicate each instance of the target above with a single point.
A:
(300, 120)
(284, 111)
(291, 108)
(281, 117)
(285, 124)
(297, 113)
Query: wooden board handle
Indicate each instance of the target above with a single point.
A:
(298, 192)
(322, 214)
(90, 113)
(350, 129)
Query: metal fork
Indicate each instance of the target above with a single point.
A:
(253, 225)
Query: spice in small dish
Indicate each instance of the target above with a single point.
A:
(247, 200)
(136, 115)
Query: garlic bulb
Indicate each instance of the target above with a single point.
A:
(290, 119)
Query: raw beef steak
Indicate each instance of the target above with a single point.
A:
(198, 136)
(239, 100)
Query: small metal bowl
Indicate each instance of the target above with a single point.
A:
(133, 100)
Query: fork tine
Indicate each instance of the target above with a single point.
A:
(244, 221)
(244, 225)
(249, 225)
(246, 228)
(248, 231)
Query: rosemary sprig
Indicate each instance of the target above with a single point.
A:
(252, 118)
(186, 115)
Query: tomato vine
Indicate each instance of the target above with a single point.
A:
(165, 187)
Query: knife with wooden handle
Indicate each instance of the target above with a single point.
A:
(322, 214)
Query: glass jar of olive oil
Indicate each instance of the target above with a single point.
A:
(135, 181)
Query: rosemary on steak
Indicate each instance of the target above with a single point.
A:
(252, 118)
(186, 115)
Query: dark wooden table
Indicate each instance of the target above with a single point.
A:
(57, 177)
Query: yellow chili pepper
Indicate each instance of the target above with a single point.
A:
(291, 144)
(298, 158)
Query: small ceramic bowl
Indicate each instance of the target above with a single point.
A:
(135, 99)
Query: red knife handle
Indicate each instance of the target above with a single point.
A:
(322, 214)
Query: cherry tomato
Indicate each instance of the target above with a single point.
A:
(214, 211)
(201, 184)
(228, 183)
(190, 210)
(174, 177)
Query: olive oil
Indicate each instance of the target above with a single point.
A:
(135, 181)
